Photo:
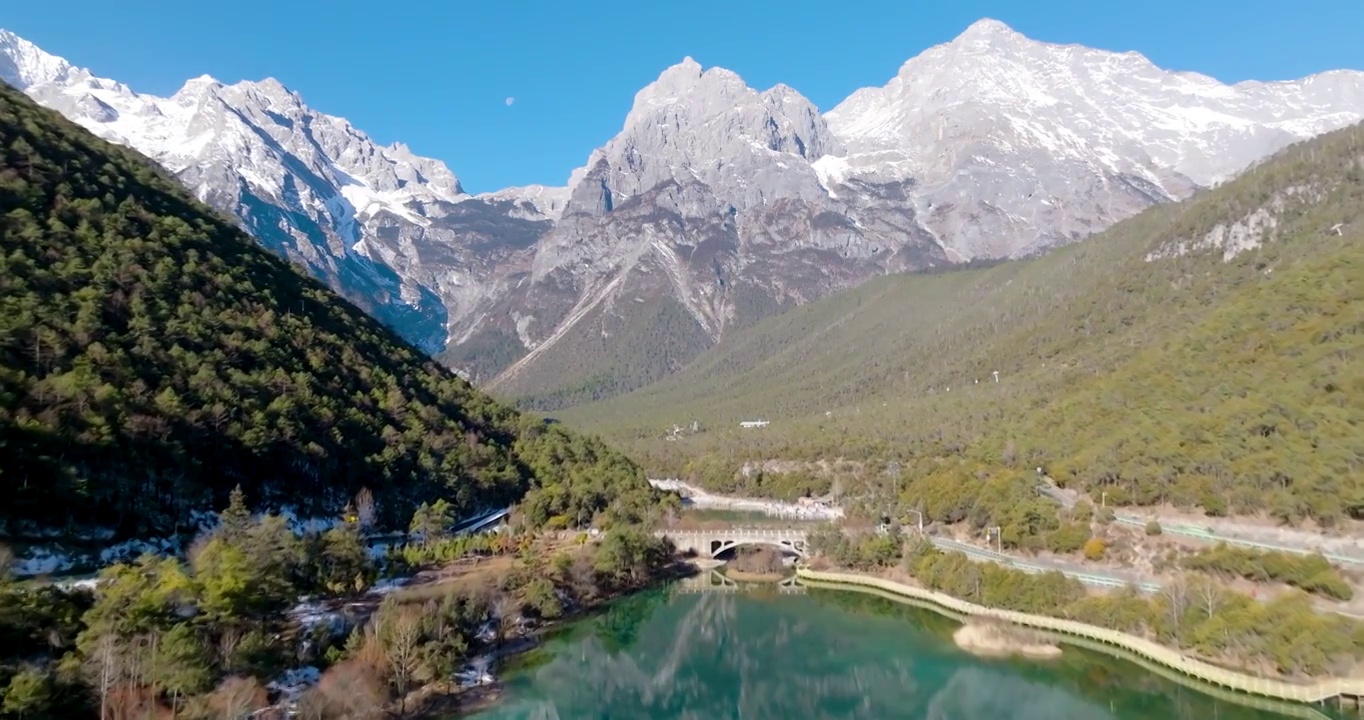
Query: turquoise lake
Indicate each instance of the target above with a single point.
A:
(828, 655)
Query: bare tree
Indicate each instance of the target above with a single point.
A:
(104, 668)
(349, 689)
(506, 608)
(974, 576)
(1176, 594)
(1210, 596)
(227, 645)
(313, 705)
(237, 697)
(400, 635)
(365, 508)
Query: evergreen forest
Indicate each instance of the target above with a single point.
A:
(153, 358)
(1204, 355)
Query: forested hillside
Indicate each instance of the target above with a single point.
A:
(1154, 362)
(152, 357)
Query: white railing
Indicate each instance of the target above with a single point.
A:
(1267, 687)
(736, 533)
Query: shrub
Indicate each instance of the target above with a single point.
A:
(1068, 538)
(1153, 528)
(1094, 548)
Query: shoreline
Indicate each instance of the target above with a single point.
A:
(1174, 661)
(447, 700)
(450, 702)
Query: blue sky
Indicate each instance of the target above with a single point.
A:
(435, 74)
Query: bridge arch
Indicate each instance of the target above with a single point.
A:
(713, 542)
(795, 547)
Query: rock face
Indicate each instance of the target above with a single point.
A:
(706, 210)
(715, 205)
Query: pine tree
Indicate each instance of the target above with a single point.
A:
(235, 521)
(29, 694)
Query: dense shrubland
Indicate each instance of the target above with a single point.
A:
(1312, 573)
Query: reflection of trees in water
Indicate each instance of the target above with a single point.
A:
(714, 657)
(619, 628)
(721, 656)
(1117, 687)
(976, 692)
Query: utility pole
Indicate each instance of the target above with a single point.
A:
(921, 520)
(1103, 499)
(996, 374)
(999, 542)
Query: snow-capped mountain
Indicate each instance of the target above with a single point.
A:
(716, 203)
(704, 211)
(1017, 145)
(379, 224)
(724, 203)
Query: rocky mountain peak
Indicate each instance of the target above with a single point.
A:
(1007, 138)
(707, 126)
(23, 64)
(199, 85)
(686, 83)
(988, 31)
(716, 203)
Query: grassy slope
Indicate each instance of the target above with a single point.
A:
(1191, 380)
(152, 357)
(642, 344)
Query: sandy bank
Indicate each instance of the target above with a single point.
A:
(999, 640)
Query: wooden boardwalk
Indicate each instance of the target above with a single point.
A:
(1318, 692)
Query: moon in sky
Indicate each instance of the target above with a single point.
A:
(510, 100)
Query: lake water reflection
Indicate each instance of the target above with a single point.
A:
(826, 655)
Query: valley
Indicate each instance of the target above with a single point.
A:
(1214, 380)
(1042, 338)
(165, 378)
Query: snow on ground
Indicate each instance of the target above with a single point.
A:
(384, 586)
(132, 549)
(475, 673)
(42, 561)
(311, 613)
(82, 584)
(57, 558)
(303, 526)
(293, 683)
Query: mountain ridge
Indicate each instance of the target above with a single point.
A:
(157, 357)
(723, 203)
(1202, 354)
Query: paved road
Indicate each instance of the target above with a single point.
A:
(1086, 575)
(1109, 578)
(1205, 534)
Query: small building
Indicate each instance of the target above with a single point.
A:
(753, 424)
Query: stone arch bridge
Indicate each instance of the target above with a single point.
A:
(710, 543)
